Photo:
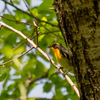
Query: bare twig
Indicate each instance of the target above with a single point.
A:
(35, 24)
(30, 82)
(17, 21)
(36, 32)
(37, 37)
(20, 45)
(17, 57)
(48, 33)
(2, 57)
(51, 8)
(10, 11)
(51, 32)
(26, 4)
(1, 26)
(45, 55)
(38, 78)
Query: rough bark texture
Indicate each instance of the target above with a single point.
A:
(79, 21)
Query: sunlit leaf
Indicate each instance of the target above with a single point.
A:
(51, 70)
(35, 11)
(44, 19)
(22, 90)
(7, 50)
(19, 50)
(41, 37)
(17, 63)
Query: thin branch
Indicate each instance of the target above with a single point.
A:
(17, 21)
(48, 33)
(29, 14)
(20, 45)
(51, 32)
(1, 26)
(26, 4)
(30, 82)
(45, 55)
(2, 57)
(9, 11)
(37, 37)
(51, 8)
(36, 32)
(16, 57)
(38, 78)
(36, 26)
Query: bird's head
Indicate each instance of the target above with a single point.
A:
(55, 45)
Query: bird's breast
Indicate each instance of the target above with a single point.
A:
(57, 53)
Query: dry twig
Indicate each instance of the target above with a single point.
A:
(36, 32)
(16, 57)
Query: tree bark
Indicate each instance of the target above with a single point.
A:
(79, 22)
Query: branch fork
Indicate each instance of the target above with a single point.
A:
(45, 55)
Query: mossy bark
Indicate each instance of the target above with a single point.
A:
(79, 22)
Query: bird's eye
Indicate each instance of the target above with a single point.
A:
(54, 46)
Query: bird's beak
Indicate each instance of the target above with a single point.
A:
(49, 46)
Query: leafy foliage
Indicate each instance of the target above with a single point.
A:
(21, 75)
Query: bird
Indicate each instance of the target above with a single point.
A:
(62, 56)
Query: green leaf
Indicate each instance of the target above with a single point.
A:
(45, 6)
(70, 89)
(58, 94)
(28, 1)
(51, 70)
(74, 96)
(44, 19)
(32, 86)
(41, 37)
(7, 50)
(16, 1)
(4, 33)
(1, 40)
(22, 90)
(4, 70)
(30, 65)
(40, 69)
(31, 98)
(11, 39)
(35, 11)
(47, 87)
(2, 77)
(17, 63)
(19, 50)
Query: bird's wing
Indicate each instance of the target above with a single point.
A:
(64, 52)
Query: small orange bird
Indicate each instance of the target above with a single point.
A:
(62, 56)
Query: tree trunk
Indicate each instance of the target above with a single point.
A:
(79, 21)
